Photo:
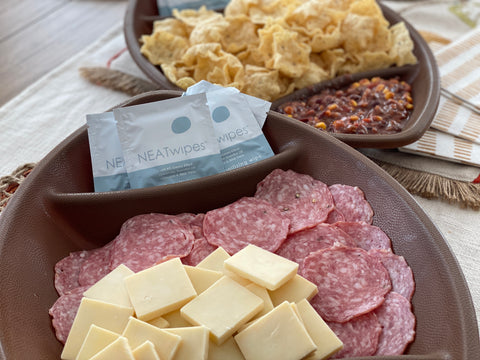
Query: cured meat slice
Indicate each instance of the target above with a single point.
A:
(147, 239)
(96, 266)
(299, 245)
(334, 216)
(201, 249)
(302, 199)
(63, 312)
(366, 236)
(246, 221)
(398, 325)
(351, 202)
(401, 274)
(67, 271)
(360, 336)
(350, 282)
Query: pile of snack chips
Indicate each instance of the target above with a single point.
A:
(269, 48)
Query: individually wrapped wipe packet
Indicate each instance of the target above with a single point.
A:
(168, 141)
(239, 135)
(108, 165)
(259, 107)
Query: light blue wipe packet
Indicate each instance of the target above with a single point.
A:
(108, 164)
(168, 141)
(259, 107)
(238, 133)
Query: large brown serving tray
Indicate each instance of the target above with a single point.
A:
(55, 211)
(423, 76)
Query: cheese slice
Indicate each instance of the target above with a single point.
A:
(138, 331)
(111, 288)
(96, 340)
(175, 319)
(159, 322)
(327, 342)
(194, 345)
(262, 293)
(294, 290)
(146, 351)
(223, 308)
(214, 261)
(118, 350)
(228, 350)
(202, 278)
(159, 289)
(277, 335)
(94, 312)
(262, 267)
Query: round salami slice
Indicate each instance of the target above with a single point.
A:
(366, 236)
(302, 199)
(63, 312)
(351, 202)
(246, 221)
(201, 249)
(96, 266)
(350, 282)
(360, 336)
(301, 244)
(401, 274)
(398, 325)
(67, 271)
(145, 240)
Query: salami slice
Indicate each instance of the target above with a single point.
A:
(63, 312)
(201, 249)
(96, 266)
(246, 221)
(301, 244)
(360, 336)
(398, 325)
(145, 240)
(366, 236)
(67, 271)
(350, 282)
(401, 274)
(302, 199)
(351, 202)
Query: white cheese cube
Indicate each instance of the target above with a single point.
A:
(223, 308)
(214, 261)
(278, 335)
(194, 345)
(138, 331)
(228, 350)
(262, 267)
(294, 290)
(97, 339)
(94, 312)
(202, 278)
(111, 288)
(327, 342)
(159, 322)
(262, 293)
(175, 319)
(146, 351)
(118, 350)
(160, 289)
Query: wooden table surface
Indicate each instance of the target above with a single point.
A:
(38, 35)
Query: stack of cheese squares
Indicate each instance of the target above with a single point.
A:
(252, 305)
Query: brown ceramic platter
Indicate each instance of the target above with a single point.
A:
(55, 212)
(424, 76)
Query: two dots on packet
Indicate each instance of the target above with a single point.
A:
(182, 124)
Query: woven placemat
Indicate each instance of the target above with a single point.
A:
(10, 183)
